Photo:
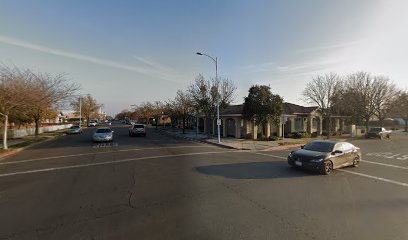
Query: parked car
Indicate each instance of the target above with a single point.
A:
(92, 123)
(324, 156)
(137, 129)
(74, 130)
(378, 132)
(103, 135)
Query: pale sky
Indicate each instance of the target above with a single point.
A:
(127, 52)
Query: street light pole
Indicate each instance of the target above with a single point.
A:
(218, 93)
(80, 111)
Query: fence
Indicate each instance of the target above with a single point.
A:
(17, 133)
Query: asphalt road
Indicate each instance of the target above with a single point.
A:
(160, 187)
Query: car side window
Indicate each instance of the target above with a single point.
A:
(347, 147)
(339, 147)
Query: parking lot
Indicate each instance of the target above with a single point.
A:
(160, 187)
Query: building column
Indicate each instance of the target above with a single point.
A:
(320, 126)
(268, 129)
(224, 127)
(292, 124)
(337, 126)
(205, 125)
(279, 128)
(237, 128)
(254, 130)
(309, 125)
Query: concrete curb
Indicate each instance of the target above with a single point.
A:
(10, 152)
(196, 140)
(17, 150)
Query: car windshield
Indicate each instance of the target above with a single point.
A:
(74, 127)
(319, 146)
(138, 126)
(103, 130)
(375, 130)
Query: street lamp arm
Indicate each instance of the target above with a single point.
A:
(203, 54)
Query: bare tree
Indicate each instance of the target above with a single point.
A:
(322, 91)
(400, 107)
(47, 92)
(384, 95)
(13, 92)
(89, 106)
(206, 94)
(367, 96)
(182, 106)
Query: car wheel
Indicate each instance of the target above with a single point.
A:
(356, 161)
(327, 167)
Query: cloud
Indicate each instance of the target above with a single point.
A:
(263, 67)
(153, 64)
(331, 47)
(143, 70)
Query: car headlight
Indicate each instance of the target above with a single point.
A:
(317, 160)
(290, 154)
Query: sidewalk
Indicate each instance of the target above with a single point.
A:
(18, 144)
(241, 144)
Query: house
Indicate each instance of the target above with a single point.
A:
(295, 118)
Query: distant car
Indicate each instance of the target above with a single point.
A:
(92, 123)
(108, 123)
(324, 156)
(74, 130)
(378, 132)
(137, 130)
(103, 135)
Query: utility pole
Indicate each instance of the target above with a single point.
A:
(5, 147)
(80, 112)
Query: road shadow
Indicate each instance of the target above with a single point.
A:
(254, 170)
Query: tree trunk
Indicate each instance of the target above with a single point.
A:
(406, 124)
(37, 126)
(367, 121)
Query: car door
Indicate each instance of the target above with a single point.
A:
(339, 158)
(349, 153)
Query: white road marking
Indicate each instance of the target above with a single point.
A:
(384, 164)
(361, 174)
(366, 161)
(109, 162)
(374, 177)
(269, 155)
(87, 154)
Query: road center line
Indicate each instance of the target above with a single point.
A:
(95, 153)
(110, 162)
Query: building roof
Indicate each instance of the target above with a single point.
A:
(232, 110)
(288, 108)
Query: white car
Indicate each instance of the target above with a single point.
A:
(74, 130)
(103, 135)
(92, 124)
